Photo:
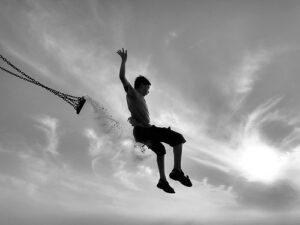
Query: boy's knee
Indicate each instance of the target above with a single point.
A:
(178, 140)
(178, 145)
(160, 151)
(181, 139)
(158, 148)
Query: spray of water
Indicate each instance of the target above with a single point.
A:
(104, 119)
(108, 124)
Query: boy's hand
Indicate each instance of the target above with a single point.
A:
(123, 54)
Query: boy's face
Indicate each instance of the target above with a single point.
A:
(144, 89)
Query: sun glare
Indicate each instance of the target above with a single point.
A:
(258, 161)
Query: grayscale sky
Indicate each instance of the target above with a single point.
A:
(225, 74)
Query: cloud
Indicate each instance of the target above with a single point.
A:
(95, 142)
(246, 74)
(291, 141)
(261, 115)
(170, 37)
(211, 163)
(281, 196)
(49, 126)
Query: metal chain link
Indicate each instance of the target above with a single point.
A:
(72, 100)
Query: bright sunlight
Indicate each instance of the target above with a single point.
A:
(258, 161)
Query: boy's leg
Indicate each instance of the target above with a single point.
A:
(163, 183)
(160, 152)
(161, 166)
(177, 173)
(177, 150)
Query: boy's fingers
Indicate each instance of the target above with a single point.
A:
(122, 52)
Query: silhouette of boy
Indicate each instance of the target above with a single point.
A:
(151, 135)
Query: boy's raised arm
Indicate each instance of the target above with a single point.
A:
(123, 54)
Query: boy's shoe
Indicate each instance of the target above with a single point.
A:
(179, 176)
(164, 185)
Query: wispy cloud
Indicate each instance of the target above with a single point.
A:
(95, 142)
(49, 126)
(261, 115)
(246, 74)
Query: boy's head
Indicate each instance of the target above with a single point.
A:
(142, 85)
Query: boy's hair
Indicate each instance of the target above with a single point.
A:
(141, 80)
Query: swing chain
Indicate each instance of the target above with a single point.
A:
(76, 102)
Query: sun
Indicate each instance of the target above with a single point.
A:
(258, 161)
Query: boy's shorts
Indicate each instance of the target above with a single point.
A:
(153, 136)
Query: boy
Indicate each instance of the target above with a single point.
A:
(150, 135)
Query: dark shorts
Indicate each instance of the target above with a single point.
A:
(153, 136)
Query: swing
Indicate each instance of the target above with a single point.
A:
(76, 102)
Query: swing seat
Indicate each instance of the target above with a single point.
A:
(81, 102)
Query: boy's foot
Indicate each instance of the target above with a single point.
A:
(164, 185)
(179, 176)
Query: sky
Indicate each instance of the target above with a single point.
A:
(225, 74)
